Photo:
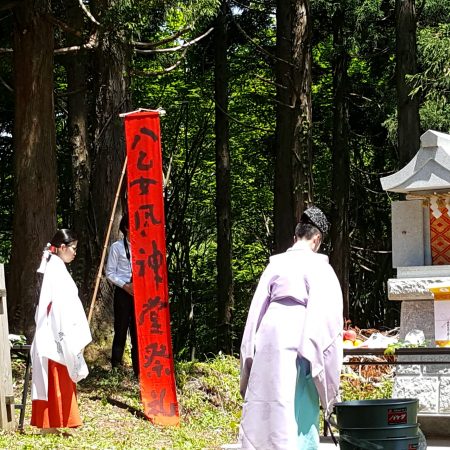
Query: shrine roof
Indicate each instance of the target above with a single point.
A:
(429, 170)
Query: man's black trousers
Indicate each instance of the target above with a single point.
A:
(124, 320)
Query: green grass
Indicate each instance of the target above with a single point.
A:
(209, 400)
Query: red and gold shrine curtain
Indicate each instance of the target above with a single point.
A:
(147, 238)
(440, 231)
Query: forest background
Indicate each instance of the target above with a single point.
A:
(270, 106)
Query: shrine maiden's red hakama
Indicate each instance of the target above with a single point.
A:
(60, 410)
(62, 332)
(291, 352)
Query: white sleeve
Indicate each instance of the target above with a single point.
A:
(70, 328)
(255, 314)
(111, 266)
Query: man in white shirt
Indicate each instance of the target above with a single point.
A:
(118, 271)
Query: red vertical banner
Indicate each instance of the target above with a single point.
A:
(148, 247)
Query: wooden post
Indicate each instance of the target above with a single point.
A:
(7, 415)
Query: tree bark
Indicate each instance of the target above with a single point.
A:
(112, 97)
(293, 150)
(34, 160)
(79, 141)
(223, 187)
(302, 76)
(340, 192)
(407, 108)
(284, 222)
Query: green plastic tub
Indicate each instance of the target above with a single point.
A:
(353, 443)
(380, 413)
(399, 431)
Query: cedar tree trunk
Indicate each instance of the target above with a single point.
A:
(223, 187)
(35, 181)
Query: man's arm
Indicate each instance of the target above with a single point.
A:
(111, 267)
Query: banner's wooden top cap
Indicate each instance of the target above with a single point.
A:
(160, 111)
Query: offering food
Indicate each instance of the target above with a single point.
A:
(349, 335)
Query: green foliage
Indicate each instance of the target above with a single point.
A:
(354, 387)
(432, 83)
(183, 85)
(371, 98)
(391, 348)
(186, 13)
(432, 12)
(186, 93)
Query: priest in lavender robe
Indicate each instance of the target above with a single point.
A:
(291, 351)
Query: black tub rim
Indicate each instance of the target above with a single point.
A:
(411, 438)
(378, 402)
(389, 427)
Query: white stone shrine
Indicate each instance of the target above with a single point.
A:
(421, 255)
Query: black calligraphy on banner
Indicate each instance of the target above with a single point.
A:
(141, 165)
(148, 132)
(143, 183)
(147, 234)
(143, 217)
(155, 357)
(151, 307)
(154, 261)
(144, 163)
(156, 406)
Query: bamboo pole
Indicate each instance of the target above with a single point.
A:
(105, 246)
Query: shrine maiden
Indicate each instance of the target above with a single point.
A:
(62, 332)
(291, 352)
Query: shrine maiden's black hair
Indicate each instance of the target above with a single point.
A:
(124, 224)
(312, 221)
(317, 218)
(63, 236)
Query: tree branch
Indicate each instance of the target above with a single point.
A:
(7, 86)
(91, 44)
(9, 4)
(370, 250)
(164, 71)
(87, 12)
(281, 86)
(151, 45)
(63, 25)
(175, 49)
(261, 49)
(233, 119)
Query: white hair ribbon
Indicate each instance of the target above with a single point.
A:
(45, 257)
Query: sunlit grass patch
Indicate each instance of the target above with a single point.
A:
(110, 406)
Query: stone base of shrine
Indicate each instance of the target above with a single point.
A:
(428, 378)
(418, 315)
(434, 425)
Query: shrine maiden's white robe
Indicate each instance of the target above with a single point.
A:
(294, 324)
(62, 330)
